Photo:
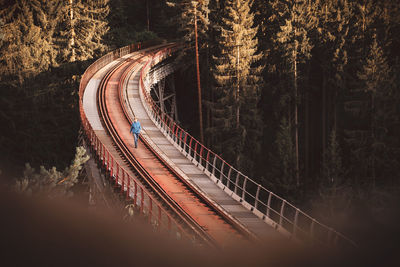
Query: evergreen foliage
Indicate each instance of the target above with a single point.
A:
(335, 197)
(283, 177)
(26, 48)
(376, 77)
(184, 22)
(345, 59)
(52, 183)
(324, 109)
(333, 171)
(236, 120)
(39, 100)
(82, 27)
(295, 37)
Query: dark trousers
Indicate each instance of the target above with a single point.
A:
(136, 137)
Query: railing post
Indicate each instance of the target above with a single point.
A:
(236, 182)
(173, 130)
(184, 143)
(214, 162)
(208, 157)
(229, 177)
(281, 214)
(222, 170)
(176, 134)
(117, 176)
(104, 155)
(112, 167)
(128, 187)
(244, 188)
(180, 138)
(135, 195)
(312, 229)
(256, 199)
(123, 181)
(195, 151)
(108, 161)
(269, 203)
(201, 154)
(295, 222)
(141, 200)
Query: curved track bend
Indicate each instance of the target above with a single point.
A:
(188, 207)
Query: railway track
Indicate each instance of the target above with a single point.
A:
(202, 220)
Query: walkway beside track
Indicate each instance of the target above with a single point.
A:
(91, 111)
(192, 173)
(159, 143)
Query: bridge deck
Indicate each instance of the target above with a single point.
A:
(91, 111)
(192, 173)
(174, 159)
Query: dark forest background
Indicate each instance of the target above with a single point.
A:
(303, 96)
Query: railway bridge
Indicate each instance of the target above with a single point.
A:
(181, 186)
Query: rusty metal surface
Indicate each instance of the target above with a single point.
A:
(204, 215)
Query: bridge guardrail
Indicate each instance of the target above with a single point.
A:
(268, 206)
(157, 215)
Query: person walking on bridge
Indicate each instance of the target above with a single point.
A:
(135, 129)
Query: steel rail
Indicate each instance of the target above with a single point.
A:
(103, 155)
(228, 218)
(271, 208)
(138, 168)
(199, 195)
(265, 204)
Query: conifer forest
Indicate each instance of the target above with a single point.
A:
(303, 96)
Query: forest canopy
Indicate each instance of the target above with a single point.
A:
(303, 96)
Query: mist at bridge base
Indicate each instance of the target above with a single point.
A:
(43, 232)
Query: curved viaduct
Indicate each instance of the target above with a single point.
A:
(179, 184)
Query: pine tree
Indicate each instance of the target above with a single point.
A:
(83, 25)
(295, 37)
(333, 30)
(235, 115)
(365, 15)
(26, 47)
(376, 77)
(184, 22)
(275, 93)
(52, 183)
(331, 53)
(193, 29)
(335, 196)
(333, 170)
(121, 31)
(36, 96)
(284, 174)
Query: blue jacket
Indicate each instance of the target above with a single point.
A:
(135, 128)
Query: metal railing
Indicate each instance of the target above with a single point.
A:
(268, 206)
(142, 199)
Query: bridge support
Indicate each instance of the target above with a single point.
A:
(164, 92)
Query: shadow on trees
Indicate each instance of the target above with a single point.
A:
(39, 116)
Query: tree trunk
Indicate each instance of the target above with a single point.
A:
(198, 76)
(72, 37)
(237, 91)
(373, 116)
(208, 94)
(307, 132)
(323, 115)
(296, 125)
